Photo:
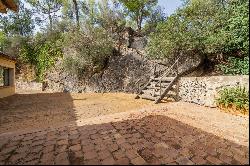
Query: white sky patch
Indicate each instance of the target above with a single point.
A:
(169, 7)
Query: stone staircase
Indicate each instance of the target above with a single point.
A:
(159, 87)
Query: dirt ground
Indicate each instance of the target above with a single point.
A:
(115, 128)
(28, 111)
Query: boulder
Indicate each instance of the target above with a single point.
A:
(139, 43)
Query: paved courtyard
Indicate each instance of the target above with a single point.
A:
(175, 133)
(41, 110)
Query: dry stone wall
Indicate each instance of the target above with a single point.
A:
(204, 90)
(28, 86)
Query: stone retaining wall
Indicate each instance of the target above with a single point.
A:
(204, 90)
(28, 86)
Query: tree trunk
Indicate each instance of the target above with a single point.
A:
(76, 13)
(139, 20)
(138, 24)
(50, 17)
(50, 22)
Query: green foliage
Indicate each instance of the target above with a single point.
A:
(157, 16)
(3, 41)
(235, 66)
(68, 9)
(111, 19)
(42, 54)
(207, 28)
(170, 38)
(236, 98)
(47, 8)
(12, 44)
(20, 23)
(238, 26)
(43, 48)
(47, 55)
(89, 9)
(103, 14)
(87, 52)
(138, 10)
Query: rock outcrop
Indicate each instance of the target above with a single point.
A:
(124, 72)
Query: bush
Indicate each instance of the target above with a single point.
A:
(42, 52)
(235, 66)
(210, 29)
(236, 99)
(87, 52)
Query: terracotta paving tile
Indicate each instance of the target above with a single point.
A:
(90, 155)
(199, 160)
(108, 161)
(214, 160)
(75, 148)
(138, 161)
(147, 140)
(122, 161)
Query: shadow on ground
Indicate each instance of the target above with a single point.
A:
(154, 139)
(26, 111)
(41, 110)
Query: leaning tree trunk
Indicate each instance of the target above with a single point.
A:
(139, 20)
(138, 23)
(76, 13)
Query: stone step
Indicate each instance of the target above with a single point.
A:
(157, 88)
(174, 96)
(151, 93)
(172, 90)
(164, 79)
(163, 84)
(148, 91)
(148, 97)
(153, 87)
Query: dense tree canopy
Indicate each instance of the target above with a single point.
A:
(20, 23)
(138, 10)
(47, 9)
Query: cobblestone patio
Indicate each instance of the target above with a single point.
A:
(150, 140)
(161, 136)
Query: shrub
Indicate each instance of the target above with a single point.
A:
(87, 52)
(235, 66)
(42, 52)
(207, 28)
(236, 99)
